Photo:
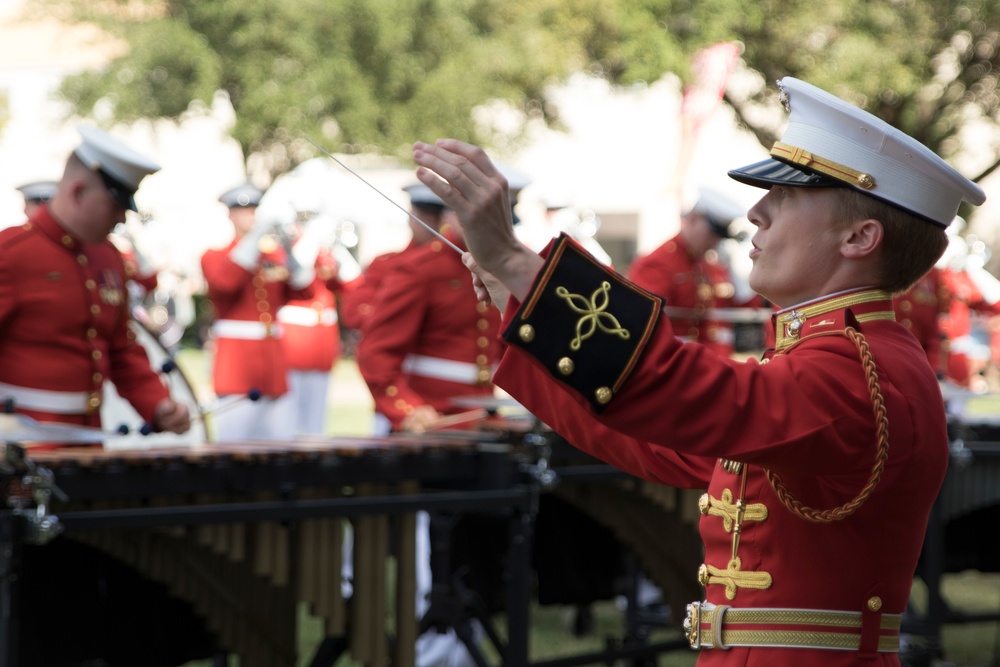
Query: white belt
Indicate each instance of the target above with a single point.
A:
(56, 402)
(442, 369)
(306, 316)
(245, 330)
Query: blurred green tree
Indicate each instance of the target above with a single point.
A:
(363, 75)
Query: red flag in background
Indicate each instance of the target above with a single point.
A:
(711, 67)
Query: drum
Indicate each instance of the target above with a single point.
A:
(118, 414)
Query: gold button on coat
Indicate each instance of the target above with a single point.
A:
(603, 395)
(526, 333)
(566, 366)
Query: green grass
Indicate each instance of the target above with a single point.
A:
(350, 414)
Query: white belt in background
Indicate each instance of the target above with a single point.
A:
(56, 402)
(442, 369)
(245, 330)
(306, 316)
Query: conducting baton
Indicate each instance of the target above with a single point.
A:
(388, 198)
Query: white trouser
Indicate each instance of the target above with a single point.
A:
(308, 391)
(266, 418)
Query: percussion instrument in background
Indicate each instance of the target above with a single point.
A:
(22, 429)
(961, 532)
(596, 527)
(247, 532)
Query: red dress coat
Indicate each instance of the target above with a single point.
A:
(357, 306)
(310, 328)
(691, 284)
(632, 394)
(64, 324)
(248, 351)
(920, 310)
(967, 306)
(426, 318)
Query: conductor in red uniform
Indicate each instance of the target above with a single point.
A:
(248, 281)
(688, 273)
(64, 303)
(823, 459)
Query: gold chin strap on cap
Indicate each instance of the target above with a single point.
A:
(803, 158)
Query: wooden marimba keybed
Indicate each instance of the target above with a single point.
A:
(248, 531)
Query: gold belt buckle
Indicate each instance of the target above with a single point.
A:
(692, 625)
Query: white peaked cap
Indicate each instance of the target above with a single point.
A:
(242, 196)
(122, 168)
(830, 142)
(38, 190)
(421, 195)
(718, 209)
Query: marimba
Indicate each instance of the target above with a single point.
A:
(247, 531)
(961, 532)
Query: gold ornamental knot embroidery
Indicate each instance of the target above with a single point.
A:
(728, 510)
(594, 315)
(733, 578)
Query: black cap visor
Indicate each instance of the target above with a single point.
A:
(118, 191)
(775, 172)
(770, 172)
(719, 227)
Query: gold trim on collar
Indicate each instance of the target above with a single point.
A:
(804, 158)
(877, 315)
(788, 324)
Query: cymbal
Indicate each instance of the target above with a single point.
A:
(486, 402)
(21, 428)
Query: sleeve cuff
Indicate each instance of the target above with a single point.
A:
(584, 323)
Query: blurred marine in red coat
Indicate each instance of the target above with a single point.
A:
(63, 299)
(688, 273)
(429, 340)
(248, 281)
(311, 335)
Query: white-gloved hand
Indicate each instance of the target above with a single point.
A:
(348, 268)
(267, 218)
(302, 259)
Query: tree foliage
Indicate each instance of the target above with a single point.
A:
(365, 75)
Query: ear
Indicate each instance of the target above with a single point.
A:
(863, 238)
(76, 188)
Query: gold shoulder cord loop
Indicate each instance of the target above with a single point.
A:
(881, 456)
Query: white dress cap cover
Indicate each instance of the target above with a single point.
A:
(829, 141)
